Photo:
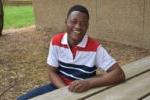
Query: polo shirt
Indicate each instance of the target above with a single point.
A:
(79, 62)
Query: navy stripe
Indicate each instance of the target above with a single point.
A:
(68, 77)
(77, 73)
(83, 67)
(72, 78)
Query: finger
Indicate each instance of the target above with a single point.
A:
(74, 86)
(75, 83)
(78, 88)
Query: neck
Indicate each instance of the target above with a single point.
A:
(72, 43)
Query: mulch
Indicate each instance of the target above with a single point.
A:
(23, 55)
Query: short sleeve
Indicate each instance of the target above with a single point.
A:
(103, 59)
(52, 58)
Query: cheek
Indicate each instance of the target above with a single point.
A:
(69, 27)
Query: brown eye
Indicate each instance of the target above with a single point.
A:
(73, 22)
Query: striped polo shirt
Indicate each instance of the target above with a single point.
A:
(79, 62)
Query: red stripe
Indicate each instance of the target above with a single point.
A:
(66, 80)
(56, 40)
(92, 45)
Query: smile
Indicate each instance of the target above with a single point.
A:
(77, 32)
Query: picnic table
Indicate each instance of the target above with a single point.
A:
(136, 86)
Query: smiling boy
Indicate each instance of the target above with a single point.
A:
(74, 57)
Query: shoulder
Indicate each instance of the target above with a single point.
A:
(56, 39)
(93, 43)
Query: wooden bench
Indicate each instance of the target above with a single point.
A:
(137, 86)
(147, 98)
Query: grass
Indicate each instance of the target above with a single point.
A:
(18, 16)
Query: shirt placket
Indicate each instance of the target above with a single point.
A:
(74, 51)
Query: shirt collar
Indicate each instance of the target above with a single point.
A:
(81, 44)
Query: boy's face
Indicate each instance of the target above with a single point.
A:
(77, 24)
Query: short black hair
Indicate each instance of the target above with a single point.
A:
(79, 8)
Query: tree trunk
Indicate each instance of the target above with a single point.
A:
(1, 17)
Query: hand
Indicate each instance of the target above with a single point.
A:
(79, 86)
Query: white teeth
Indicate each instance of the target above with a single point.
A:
(77, 32)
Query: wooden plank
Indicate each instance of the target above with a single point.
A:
(137, 67)
(130, 70)
(146, 98)
(64, 94)
(130, 90)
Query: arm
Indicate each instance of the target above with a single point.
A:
(52, 61)
(113, 76)
(54, 78)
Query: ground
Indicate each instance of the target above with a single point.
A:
(23, 55)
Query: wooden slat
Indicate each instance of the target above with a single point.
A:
(63, 94)
(146, 98)
(136, 67)
(131, 90)
(130, 70)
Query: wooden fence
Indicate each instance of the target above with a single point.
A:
(17, 2)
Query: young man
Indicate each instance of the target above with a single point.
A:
(74, 57)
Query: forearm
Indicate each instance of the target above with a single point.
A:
(114, 76)
(55, 79)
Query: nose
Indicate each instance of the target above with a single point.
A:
(78, 25)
